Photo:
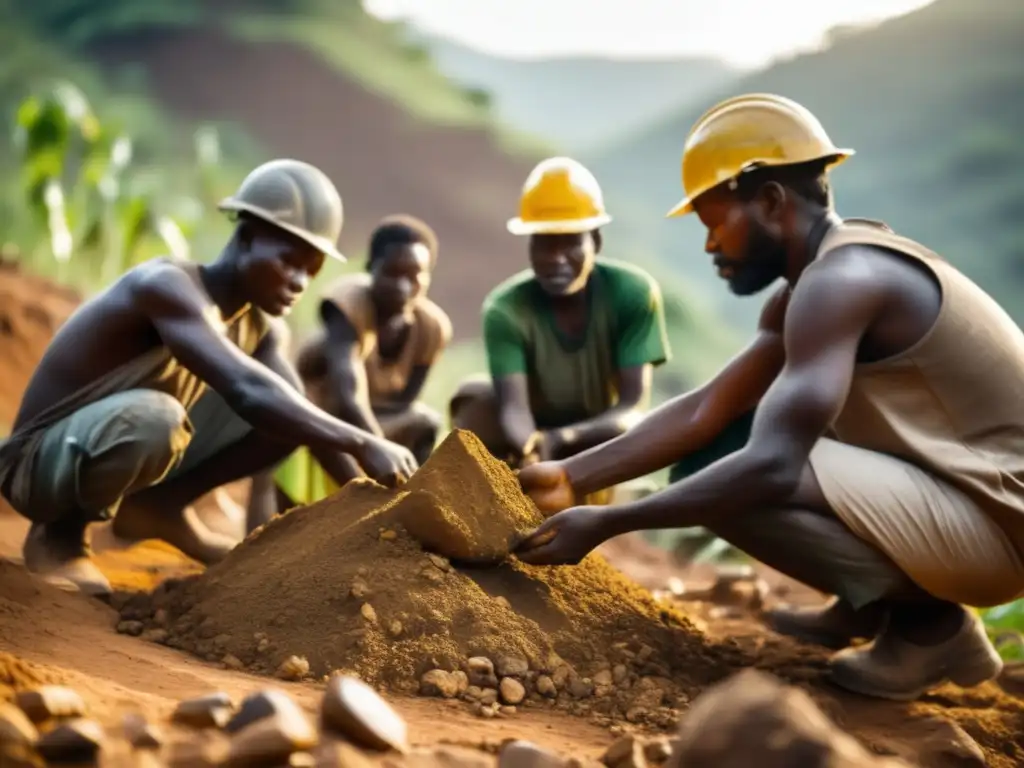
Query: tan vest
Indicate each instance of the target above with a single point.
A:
(953, 404)
(430, 333)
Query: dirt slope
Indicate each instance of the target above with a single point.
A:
(382, 160)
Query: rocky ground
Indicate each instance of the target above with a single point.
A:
(75, 688)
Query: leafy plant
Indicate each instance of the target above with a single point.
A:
(100, 213)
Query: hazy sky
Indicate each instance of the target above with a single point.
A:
(744, 32)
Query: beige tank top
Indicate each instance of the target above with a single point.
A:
(952, 404)
(157, 370)
(386, 378)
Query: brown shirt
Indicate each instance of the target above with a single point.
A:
(953, 404)
(430, 333)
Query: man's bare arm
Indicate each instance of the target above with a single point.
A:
(830, 311)
(516, 418)
(692, 420)
(346, 373)
(342, 467)
(634, 387)
(257, 394)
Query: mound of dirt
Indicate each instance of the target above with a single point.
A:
(343, 584)
(465, 504)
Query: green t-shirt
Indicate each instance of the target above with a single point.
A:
(572, 379)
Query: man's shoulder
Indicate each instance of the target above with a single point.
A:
(431, 312)
(351, 284)
(163, 276)
(625, 278)
(509, 294)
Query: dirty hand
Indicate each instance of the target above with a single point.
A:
(547, 483)
(388, 463)
(566, 538)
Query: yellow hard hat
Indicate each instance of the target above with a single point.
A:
(746, 132)
(560, 196)
(296, 197)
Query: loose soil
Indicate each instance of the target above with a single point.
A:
(49, 636)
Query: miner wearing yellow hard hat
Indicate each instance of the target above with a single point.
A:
(173, 382)
(885, 462)
(572, 340)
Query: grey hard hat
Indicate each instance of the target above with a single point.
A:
(295, 196)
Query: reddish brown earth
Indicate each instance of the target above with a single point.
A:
(382, 160)
(52, 636)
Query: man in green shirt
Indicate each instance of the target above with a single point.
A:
(571, 342)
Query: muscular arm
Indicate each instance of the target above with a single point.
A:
(346, 374)
(634, 386)
(830, 311)
(692, 420)
(515, 416)
(260, 396)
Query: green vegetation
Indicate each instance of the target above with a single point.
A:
(930, 101)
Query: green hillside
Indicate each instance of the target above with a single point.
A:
(372, 110)
(931, 102)
(579, 103)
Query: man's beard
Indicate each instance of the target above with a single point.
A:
(763, 264)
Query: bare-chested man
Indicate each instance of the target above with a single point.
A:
(172, 382)
(885, 462)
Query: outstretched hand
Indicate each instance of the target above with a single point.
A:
(565, 538)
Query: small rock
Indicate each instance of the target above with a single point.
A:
(658, 751)
(627, 752)
(488, 696)
(437, 682)
(561, 675)
(210, 711)
(356, 711)
(15, 727)
(546, 686)
(503, 602)
(461, 681)
(50, 701)
(155, 636)
(388, 535)
(512, 691)
(619, 674)
(507, 710)
(133, 628)
(359, 589)
(160, 617)
(439, 562)
(140, 733)
(339, 754)
(263, 645)
(368, 613)
(395, 628)
(293, 668)
(473, 693)
(604, 677)
(232, 662)
(72, 740)
(481, 672)
(272, 739)
(269, 702)
(581, 687)
(486, 710)
(210, 750)
(512, 666)
(523, 754)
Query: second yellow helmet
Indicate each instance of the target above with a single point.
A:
(560, 196)
(746, 132)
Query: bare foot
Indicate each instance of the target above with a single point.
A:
(182, 529)
(63, 563)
